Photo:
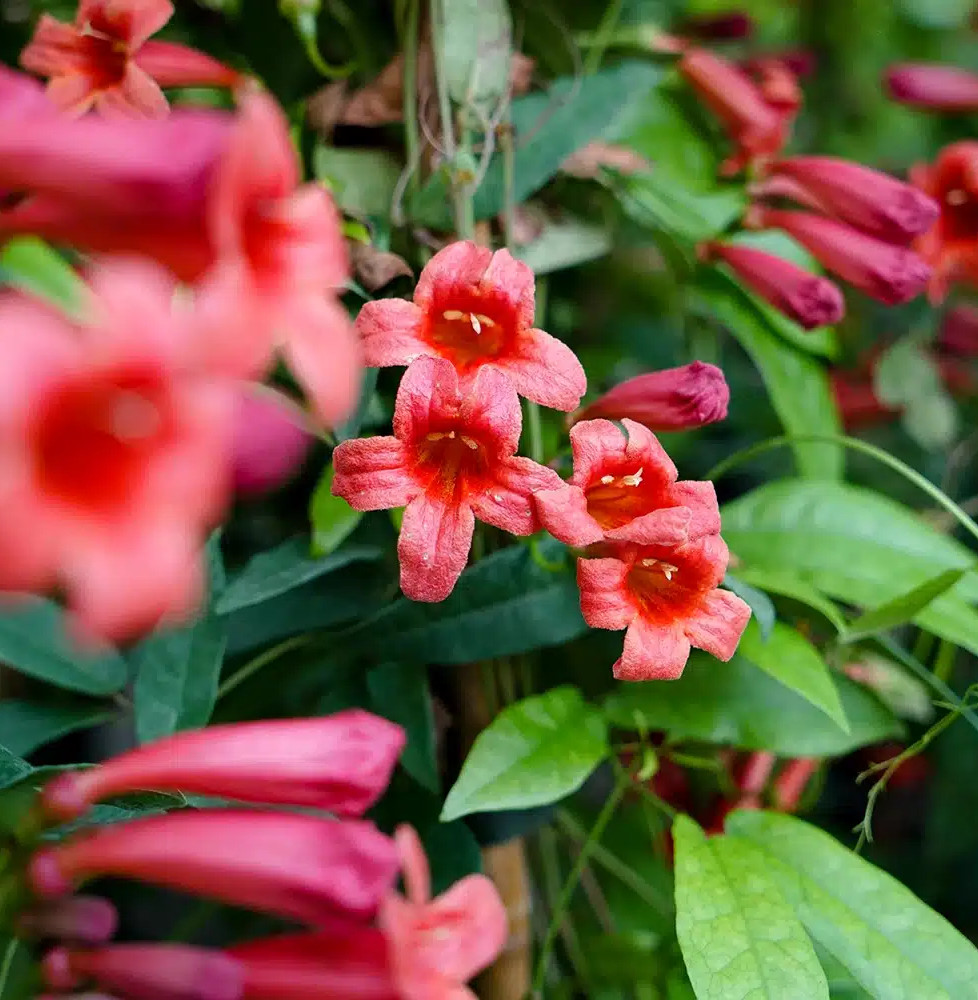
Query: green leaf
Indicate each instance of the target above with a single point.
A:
(363, 180)
(904, 694)
(33, 641)
(513, 601)
(12, 768)
(535, 752)
(739, 936)
(904, 608)
(30, 264)
(739, 705)
(177, 671)
(761, 606)
(27, 725)
(892, 943)
(796, 383)
(473, 50)
(399, 692)
(937, 13)
(284, 568)
(787, 584)
(332, 517)
(791, 659)
(565, 243)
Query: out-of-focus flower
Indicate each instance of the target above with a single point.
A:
(340, 763)
(959, 331)
(810, 300)
(588, 161)
(624, 489)
(452, 459)
(146, 971)
(21, 97)
(103, 60)
(667, 599)
(950, 247)
(791, 782)
(438, 945)
(474, 308)
(856, 401)
(892, 274)
(867, 199)
(292, 865)
(724, 26)
(933, 87)
(78, 919)
(113, 450)
(798, 62)
(270, 441)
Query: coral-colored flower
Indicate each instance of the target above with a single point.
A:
(271, 441)
(757, 127)
(340, 763)
(933, 87)
(292, 865)
(104, 61)
(892, 274)
(475, 308)
(438, 945)
(146, 971)
(867, 199)
(667, 598)
(791, 782)
(674, 399)
(452, 459)
(810, 300)
(951, 246)
(113, 452)
(624, 489)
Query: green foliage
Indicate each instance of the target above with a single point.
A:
(27, 725)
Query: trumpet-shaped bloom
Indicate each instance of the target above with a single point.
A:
(624, 489)
(951, 245)
(452, 459)
(674, 399)
(475, 308)
(104, 61)
(340, 763)
(667, 599)
(113, 449)
(438, 945)
(933, 87)
(292, 865)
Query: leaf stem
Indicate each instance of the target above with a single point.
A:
(8, 962)
(602, 36)
(412, 138)
(244, 672)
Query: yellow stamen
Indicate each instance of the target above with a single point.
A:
(667, 569)
(607, 480)
(633, 480)
(470, 443)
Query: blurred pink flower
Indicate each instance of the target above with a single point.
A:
(438, 945)
(475, 308)
(270, 440)
(624, 489)
(78, 919)
(933, 87)
(113, 453)
(452, 458)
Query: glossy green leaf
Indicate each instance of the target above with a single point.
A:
(739, 936)
(892, 943)
(473, 50)
(535, 752)
(513, 601)
(284, 568)
(784, 583)
(33, 641)
(30, 264)
(761, 606)
(27, 725)
(363, 181)
(796, 383)
(904, 608)
(739, 705)
(12, 768)
(791, 659)
(333, 519)
(568, 242)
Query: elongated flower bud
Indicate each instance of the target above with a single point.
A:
(889, 273)
(933, 87)
(810, 300)
(79, 919)
(865, 198)
(790, 784)
(673, 399)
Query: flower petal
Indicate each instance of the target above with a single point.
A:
(666, 526)
(545, 370)
(457, 268)
(137, 95)
(719, 624)
(131, 22)
(414, 864)
(491, 411)
(652, 653)
(53, 50)
(644, 447)
(372, 474)
(429, 388)
(433, 547)
(594, 443)
(563, 512)
(508, 503)
(700, 498)
(72, 93)
(512, 281)
(389, 332)
(173, 65)
(605, 598)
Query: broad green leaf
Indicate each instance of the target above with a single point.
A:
(473, 50)
(332, 517)
(363, 180)
(33, 641)
(904, 608)
(761, 606)
(739, 705)
(791, 659)
(30, 264)
(796, 383)
(565, 243)
(22, 979)
(739, 936)
(786, 584)
(27, 725)
(400, 692)
(12, 768)
(284, 568)
(535, 752)
(507, 603)
(892, 943)
(937, 13)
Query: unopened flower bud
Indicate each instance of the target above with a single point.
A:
(270, 441)
(933, 87)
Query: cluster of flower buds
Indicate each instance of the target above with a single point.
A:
(324, 867)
